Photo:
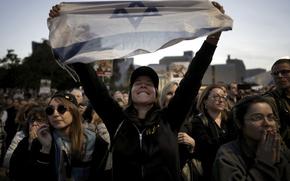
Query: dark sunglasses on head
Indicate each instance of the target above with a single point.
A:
(61, 109)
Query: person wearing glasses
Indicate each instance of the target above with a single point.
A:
(211, 127)
(68, 151)
(280, 97)
(258, 153)
(24, 145)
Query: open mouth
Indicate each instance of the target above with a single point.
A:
(142, 92)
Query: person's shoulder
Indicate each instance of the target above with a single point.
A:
(230, 148)
(273, 96)
(92, 136)
(200, 119)
(19, 135)
(89, 132)
(273, 93)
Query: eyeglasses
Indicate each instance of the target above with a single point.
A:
(60, 109)
(218, 98)
(283, 73)
(261, 117)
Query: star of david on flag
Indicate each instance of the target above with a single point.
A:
(105, 30)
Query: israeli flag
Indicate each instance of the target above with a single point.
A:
(105, 30)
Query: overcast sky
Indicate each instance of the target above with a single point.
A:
(260, 35)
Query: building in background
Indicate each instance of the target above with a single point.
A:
(172, 68)
(175, 67)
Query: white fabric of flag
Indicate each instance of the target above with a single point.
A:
(104, 30)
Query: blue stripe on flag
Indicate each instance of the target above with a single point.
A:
(65, 53)
(68, 52)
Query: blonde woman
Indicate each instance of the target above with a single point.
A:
(211, 127)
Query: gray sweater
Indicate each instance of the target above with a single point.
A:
(235, 162)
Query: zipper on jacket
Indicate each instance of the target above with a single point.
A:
(141, 147)
(140, 141)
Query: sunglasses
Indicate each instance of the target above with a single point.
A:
(283, 73)
(61, 109)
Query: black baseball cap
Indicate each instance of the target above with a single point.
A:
(145, 71)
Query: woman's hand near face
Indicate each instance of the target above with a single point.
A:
(44, 137)
(269, 148)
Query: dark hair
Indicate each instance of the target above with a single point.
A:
(241, 108)
(145, 71)
(280, 61)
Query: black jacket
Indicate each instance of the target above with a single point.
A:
(209, 137)
(24, 164)
(33, 165)
(281, 106)
(146, 150)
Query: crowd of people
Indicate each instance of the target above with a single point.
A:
(86, 136)
(187, 133)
